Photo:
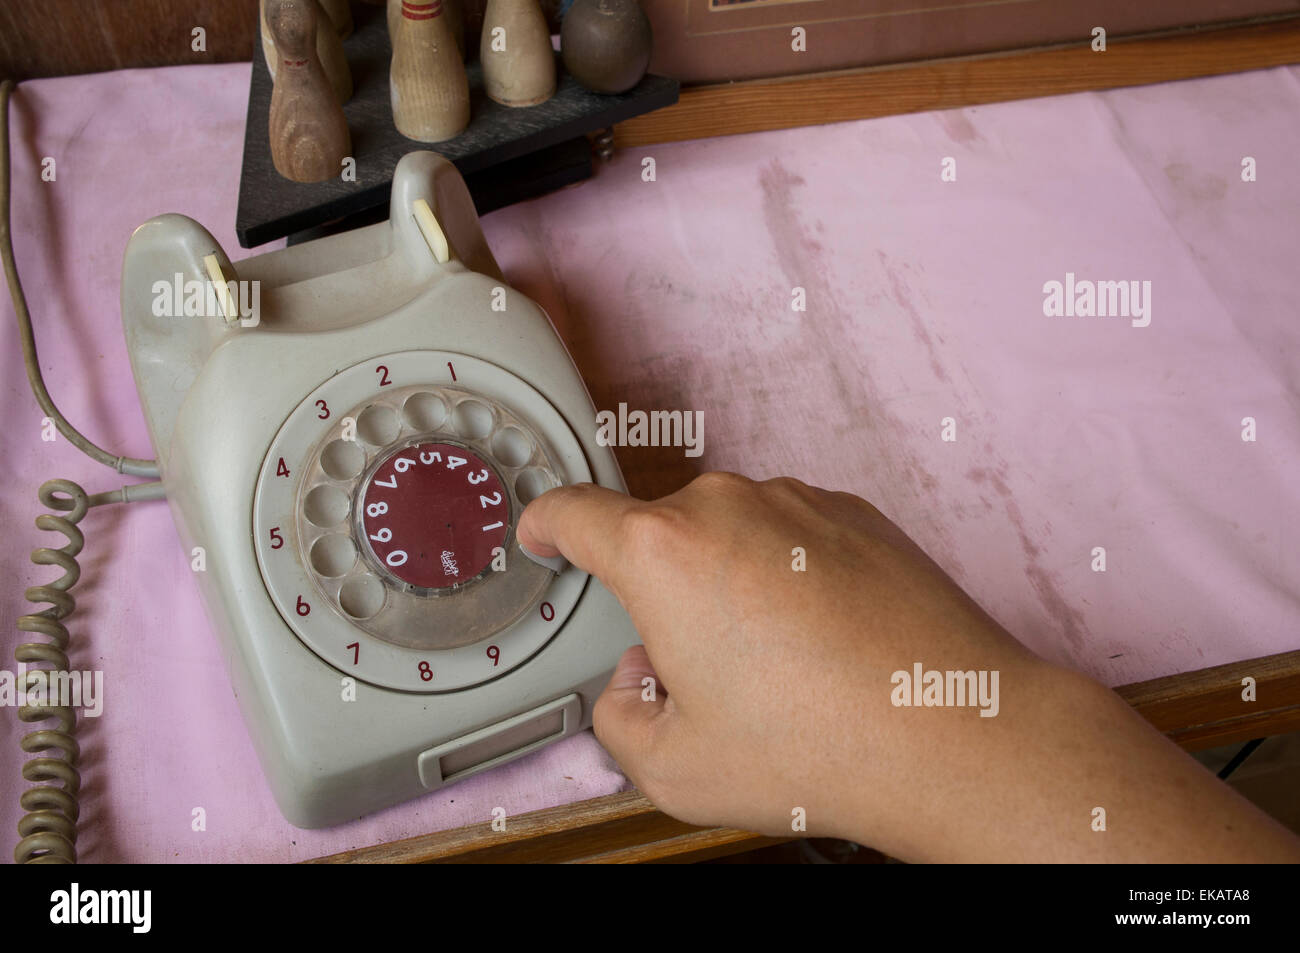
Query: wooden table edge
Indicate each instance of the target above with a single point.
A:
(1206, 708)
(918, 86)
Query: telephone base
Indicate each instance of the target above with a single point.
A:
(350, 435)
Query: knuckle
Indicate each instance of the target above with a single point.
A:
(789, 484)
(655, 528)
(559, 496)
(852, 501)
(720, 481)
(791, 488)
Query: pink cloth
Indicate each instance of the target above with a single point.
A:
(924, 301)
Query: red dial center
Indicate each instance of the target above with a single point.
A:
(433, 513)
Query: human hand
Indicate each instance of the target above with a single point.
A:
(774, 688)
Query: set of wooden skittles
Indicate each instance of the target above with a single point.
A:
(302, 41)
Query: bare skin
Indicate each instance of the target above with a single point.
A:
(774, 691)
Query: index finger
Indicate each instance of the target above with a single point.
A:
(582, 523)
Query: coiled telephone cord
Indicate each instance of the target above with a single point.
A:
(49, 827)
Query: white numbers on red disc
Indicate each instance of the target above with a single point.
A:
(433, 513)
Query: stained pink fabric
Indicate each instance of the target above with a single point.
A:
(924, 301)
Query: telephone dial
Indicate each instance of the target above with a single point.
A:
(352, 460)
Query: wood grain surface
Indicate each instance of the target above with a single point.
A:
(1205, 708)
(63, 37)
(618, 828)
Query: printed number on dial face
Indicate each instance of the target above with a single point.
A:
(432, 515)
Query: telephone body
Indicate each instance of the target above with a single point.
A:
(353, 463)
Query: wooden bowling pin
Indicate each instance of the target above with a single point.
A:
(427, 81)
(451, 9)
(309, 136)
(340, 14)
(329, 50)
(518, 60)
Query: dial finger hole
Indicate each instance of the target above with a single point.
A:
(531, 484)
(333, 555)
(424, 412)
(362, 596)
(511, 447)
(377, 425)
(326, 506)
(343, 460)
(472, 419)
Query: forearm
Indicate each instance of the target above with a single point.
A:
(1071, 774)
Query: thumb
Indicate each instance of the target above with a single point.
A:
(627, 709)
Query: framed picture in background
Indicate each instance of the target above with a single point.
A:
(714, 41)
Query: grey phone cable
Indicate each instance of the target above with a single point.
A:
(48, 828)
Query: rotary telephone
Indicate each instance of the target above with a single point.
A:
(352, 457)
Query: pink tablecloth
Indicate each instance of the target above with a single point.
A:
(924, 301)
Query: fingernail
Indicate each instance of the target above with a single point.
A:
(556, 564)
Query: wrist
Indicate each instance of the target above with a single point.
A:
(954, 784)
